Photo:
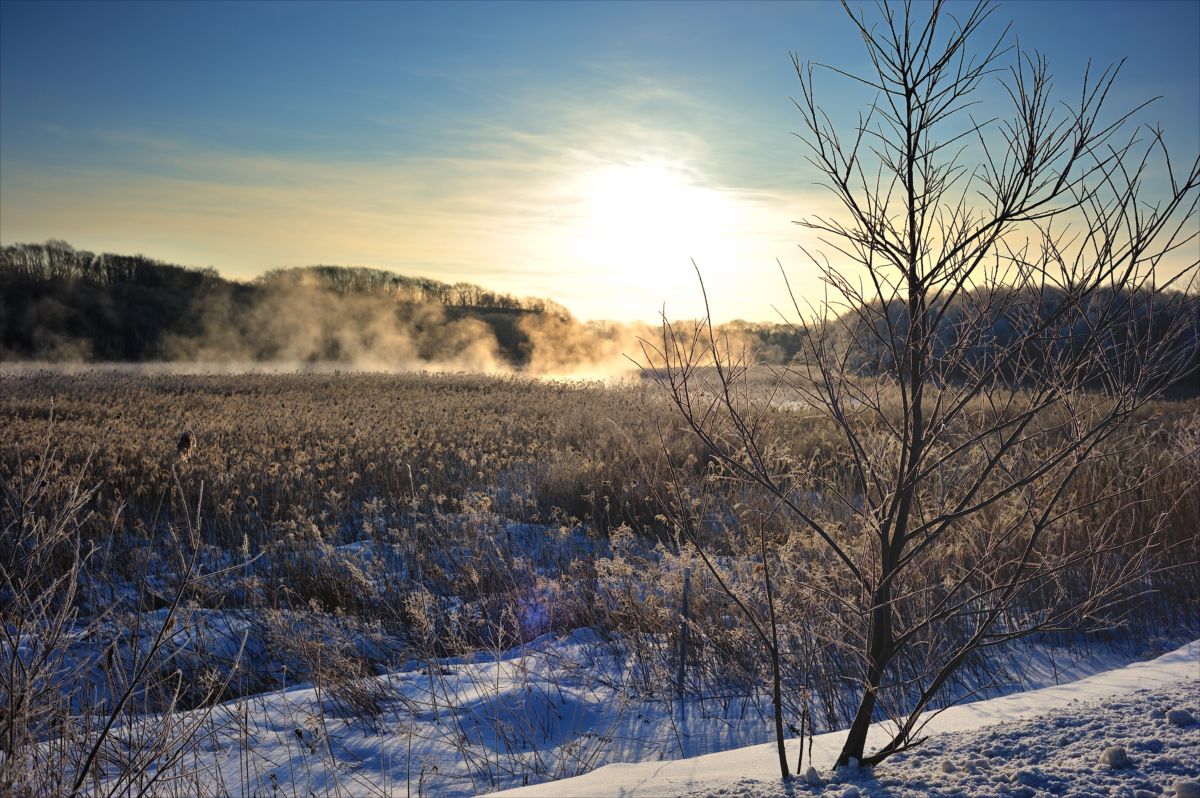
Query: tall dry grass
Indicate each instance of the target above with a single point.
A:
(327, 528)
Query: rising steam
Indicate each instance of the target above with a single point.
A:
(70, 306)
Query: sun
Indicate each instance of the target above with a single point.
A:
(642, 222)
(651, 205)
(633, 232)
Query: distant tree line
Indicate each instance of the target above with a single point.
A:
(66, 304)
(62, 303)
(977, 331)
(415, 290)
(57, 260)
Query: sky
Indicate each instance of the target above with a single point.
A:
(585, 152)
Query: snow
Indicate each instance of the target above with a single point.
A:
(1180, 717)
(1037, 743)
(1184, 788)
(1115, 757)
(556, 708)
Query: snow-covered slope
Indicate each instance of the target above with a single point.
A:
(1038, 743)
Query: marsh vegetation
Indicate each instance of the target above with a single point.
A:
(333, 531)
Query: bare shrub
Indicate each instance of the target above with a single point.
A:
(991, 331)
(64, 730)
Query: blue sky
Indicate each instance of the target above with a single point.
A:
(529, 147)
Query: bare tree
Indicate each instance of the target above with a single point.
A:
(1003, 293)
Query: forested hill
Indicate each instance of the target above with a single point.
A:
(361, 280)
(61, 303)
(58, 303)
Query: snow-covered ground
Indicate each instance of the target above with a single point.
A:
(560, 707)
(1056, 741)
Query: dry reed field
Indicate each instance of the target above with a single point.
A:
(176, 542)
(843, 429)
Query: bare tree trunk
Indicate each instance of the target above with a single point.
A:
(776, 685)
(683, 634)
(681, 676)
(879, 653)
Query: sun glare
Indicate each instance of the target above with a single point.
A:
(653, 204)
(644, 220)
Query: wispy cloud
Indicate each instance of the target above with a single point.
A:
(506, 206)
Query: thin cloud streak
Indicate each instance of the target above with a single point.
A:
(509, 210)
